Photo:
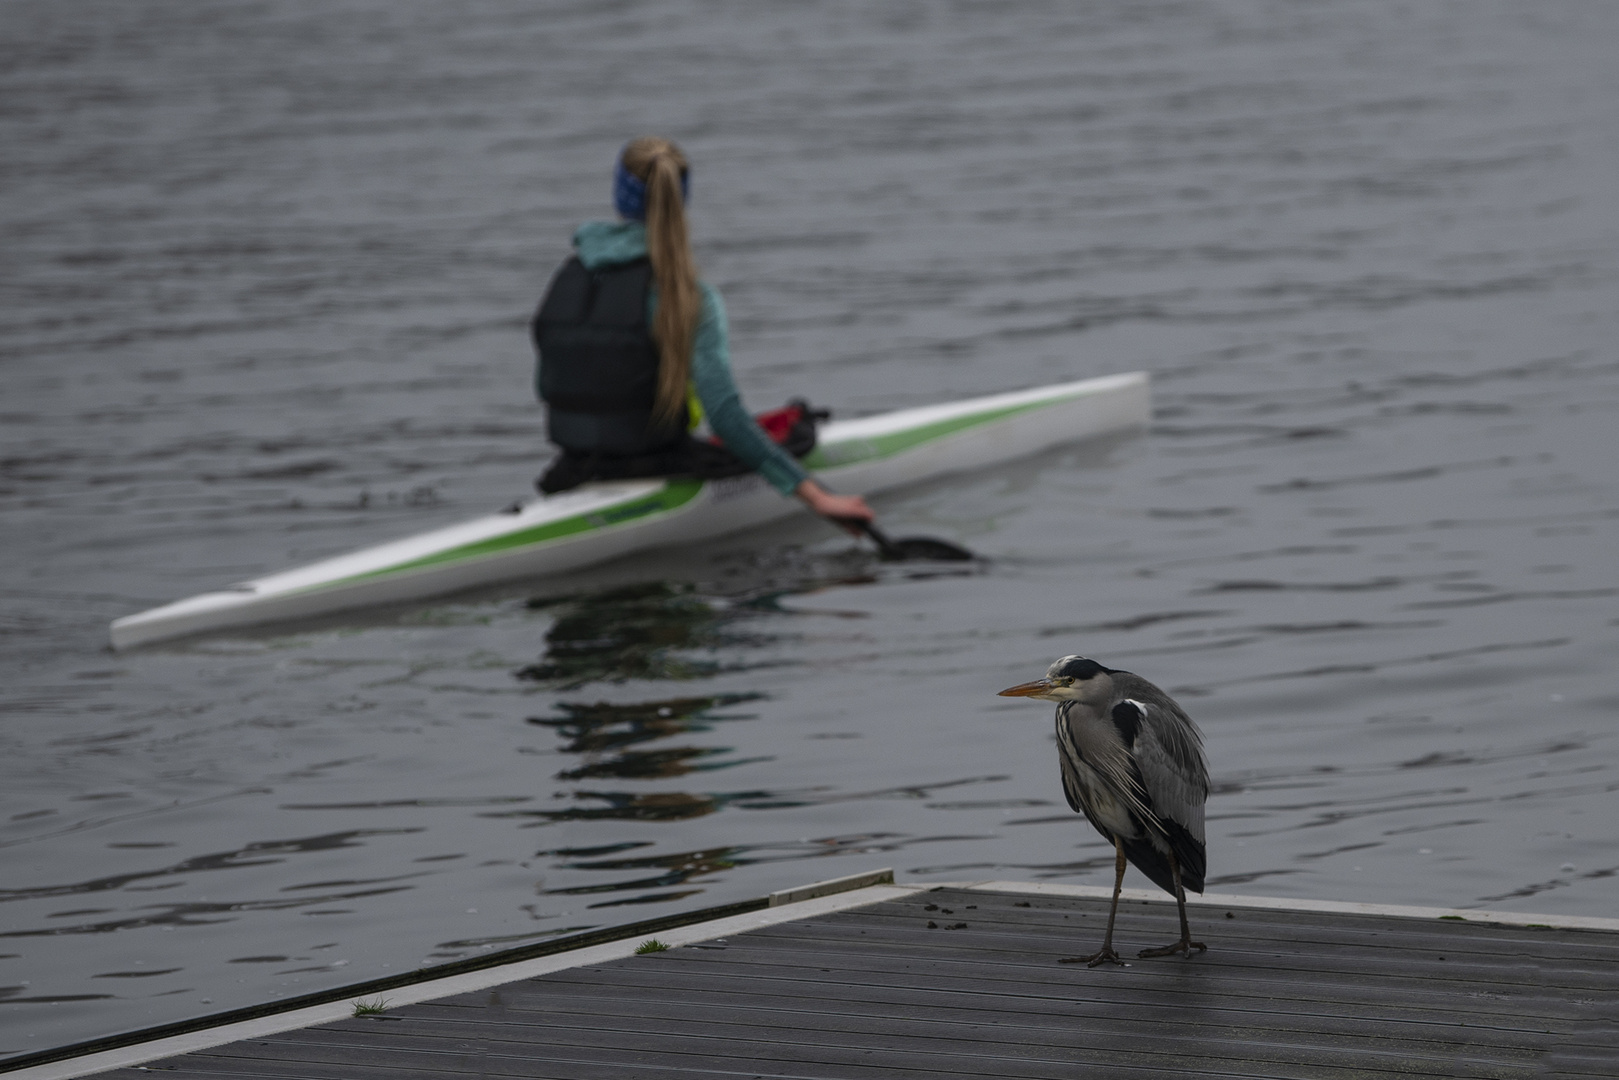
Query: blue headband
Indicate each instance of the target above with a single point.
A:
(629, 192)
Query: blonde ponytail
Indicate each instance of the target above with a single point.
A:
(660, 165)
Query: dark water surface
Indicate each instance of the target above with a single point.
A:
(265, 270)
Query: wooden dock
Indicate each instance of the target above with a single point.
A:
(896, 982)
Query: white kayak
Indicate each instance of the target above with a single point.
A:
(603, 521)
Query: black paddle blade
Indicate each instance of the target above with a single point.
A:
(926, 548)
(917, 548)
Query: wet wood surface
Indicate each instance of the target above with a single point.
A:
(955, 983)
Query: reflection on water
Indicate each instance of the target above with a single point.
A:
(636, 632)
(631, 806)
(591, 730)
(675, 869)
(650, 630)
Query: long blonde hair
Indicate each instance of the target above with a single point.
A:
(659, 163)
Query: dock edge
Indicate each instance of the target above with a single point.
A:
(457, 977)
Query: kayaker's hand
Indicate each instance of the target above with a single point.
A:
(832, 507)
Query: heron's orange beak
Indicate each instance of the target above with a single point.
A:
(1028, 689)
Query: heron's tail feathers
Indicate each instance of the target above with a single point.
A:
(1189, 853)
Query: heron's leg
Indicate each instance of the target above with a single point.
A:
(1107, 955)
(1185, 944)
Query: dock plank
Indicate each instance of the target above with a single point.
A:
(1000, 986)
(787, 1023)
(873, 992)
(1098, 1019)
(641, 1045)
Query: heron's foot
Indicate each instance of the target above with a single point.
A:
(1105, 956)
(1185, 945)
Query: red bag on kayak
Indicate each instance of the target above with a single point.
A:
(791, 427)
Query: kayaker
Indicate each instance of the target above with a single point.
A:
(633, 352)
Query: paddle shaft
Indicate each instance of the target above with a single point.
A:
(884, 544)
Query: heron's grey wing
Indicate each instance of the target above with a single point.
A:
(1173, 773)
(1168, 753)
(1170, 764)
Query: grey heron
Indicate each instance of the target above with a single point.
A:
(1132, 763)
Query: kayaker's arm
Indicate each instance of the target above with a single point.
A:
(722, 404)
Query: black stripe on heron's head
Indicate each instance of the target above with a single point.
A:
(1078, 668)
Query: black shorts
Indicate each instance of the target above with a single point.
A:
(792, 428)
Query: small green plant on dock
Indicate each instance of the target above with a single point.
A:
(651, 944)
(371, 1008)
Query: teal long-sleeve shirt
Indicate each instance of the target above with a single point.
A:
(608, 243)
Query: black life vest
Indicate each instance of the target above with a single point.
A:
(598, 364)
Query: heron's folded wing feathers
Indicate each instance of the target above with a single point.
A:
(1170, 761)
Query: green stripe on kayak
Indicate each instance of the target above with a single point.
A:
(677, 493)
(855, 451)
(674, 494)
